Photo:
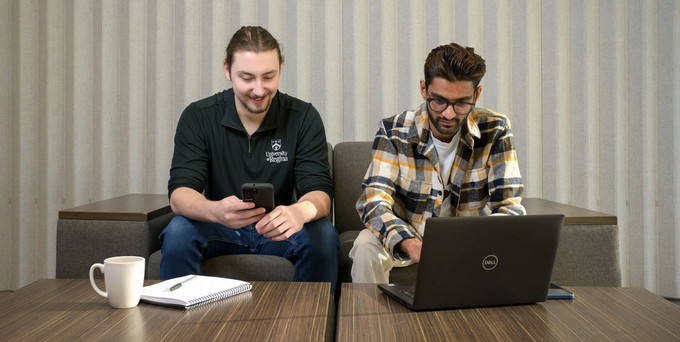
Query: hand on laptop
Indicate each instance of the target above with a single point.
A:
(412, 247)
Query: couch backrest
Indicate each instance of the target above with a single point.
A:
(350, 162)
(330, 162)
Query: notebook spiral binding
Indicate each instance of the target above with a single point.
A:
(219, 295)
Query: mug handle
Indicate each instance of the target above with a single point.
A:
(94, 285)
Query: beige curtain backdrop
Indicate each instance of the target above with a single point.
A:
(90, 94)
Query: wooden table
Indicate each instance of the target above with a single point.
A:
(597, 314)
(70, 310)
(131, 207)
(572, 215)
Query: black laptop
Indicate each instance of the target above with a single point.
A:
(482, 261)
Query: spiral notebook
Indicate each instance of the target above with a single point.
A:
(192, 290)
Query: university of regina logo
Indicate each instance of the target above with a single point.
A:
(276, 144)
(278, 155)
(490, 262)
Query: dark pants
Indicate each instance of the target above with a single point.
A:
(186, 244)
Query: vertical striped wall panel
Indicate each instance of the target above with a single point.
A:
(91, 91)
(8, 255)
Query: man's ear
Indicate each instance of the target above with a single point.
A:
(225, 67)
(423, 89)
(478, 92)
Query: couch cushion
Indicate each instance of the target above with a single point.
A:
(249, 267)
(344, 262)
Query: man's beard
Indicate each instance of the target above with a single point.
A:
(261, 110)
(446, 130)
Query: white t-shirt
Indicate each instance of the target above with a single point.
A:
(446, 153)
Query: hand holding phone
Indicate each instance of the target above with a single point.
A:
(262, 194)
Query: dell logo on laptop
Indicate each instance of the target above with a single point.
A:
(490, 262)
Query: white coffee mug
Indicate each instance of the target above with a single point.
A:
(124, 279)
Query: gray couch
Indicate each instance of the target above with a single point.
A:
(588, 254)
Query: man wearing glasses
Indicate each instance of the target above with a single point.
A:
(445, 158)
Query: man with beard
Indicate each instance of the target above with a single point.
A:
(251, 133)
(445, 158)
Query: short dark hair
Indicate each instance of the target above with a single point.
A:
(253, 39)
(453, 62)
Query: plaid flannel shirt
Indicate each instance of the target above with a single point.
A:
(403, 185)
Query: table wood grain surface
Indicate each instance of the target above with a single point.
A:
(596, 314)
(70, 310)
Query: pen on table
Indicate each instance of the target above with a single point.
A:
(178, 285)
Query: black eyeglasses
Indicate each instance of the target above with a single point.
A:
(460, 107)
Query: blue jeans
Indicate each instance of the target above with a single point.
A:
(186, 243)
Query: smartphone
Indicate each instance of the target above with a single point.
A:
(262, 194)
(558, 292)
